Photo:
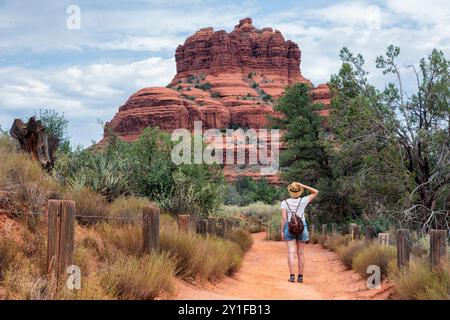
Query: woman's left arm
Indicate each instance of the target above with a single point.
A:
(314, 192)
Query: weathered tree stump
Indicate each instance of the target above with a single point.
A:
(34, 140)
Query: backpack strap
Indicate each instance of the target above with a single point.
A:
(296, 209)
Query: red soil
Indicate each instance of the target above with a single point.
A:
(264, 275)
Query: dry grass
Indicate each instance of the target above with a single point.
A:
(138, 278)
(377, 255)
(334, 242)
(8, 255)
(242, 237)
(126, 238)
(24, 179)
(130, 207)
(314, 238)
(197, 257)
(347, 253)
(419, 282)
(88, 203)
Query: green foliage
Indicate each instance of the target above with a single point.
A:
(56, 125)
(216, 94)
(255, 85)
(144, 168)
(246, 190)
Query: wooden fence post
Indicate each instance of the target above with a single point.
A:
(184, 222)
(438, 247)
(211, 225)
(61, 236)
(220, 227)
(356, 232)
(202, 226)
(228, 225)
(313, 228)
(369, 234)
(324, 230)
(150, 228)
(383, 239)
(352, 230)
(403, 248)
(334, 229)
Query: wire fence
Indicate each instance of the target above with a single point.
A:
(81, 216)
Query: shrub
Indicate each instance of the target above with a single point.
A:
(420, 282)
(374, 255)
(347, 253)
(216, 94)
(255, 85)
(242, 237)
(274, 228)
(314, 238)
(205, 86)
(133, 278)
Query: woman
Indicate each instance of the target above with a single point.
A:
(296, 205)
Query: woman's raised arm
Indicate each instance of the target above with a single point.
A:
(314, 192)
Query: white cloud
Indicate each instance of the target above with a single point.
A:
(83, 93)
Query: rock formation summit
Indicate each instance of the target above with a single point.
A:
(226, 80)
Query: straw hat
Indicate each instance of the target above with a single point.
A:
(295, 189)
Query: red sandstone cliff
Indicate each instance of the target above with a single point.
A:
(225, 80)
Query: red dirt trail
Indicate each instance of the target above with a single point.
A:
(264, 275)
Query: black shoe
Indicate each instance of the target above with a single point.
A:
(300, 279)
(292, 278)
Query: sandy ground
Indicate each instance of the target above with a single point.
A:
(264, 275)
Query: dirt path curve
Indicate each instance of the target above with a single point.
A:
(264, 275)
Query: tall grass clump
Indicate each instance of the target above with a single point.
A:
(314, 238)
(8, 255)
(129, 207)
(347, 253)
(88, 204)
(126, 238)
(242, 237)
(274, 228)
(335, 241)
(376, 255)
(138, 278)
(29, 185)
(197, 257)
(420, 282)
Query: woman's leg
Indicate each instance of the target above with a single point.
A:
(301, 257)
(291, 245)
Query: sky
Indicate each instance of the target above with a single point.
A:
(85, 58)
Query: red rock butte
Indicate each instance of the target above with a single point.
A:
(226, 80)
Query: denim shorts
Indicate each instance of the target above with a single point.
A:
(303, 237)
